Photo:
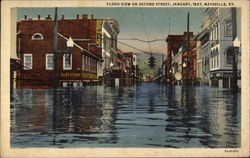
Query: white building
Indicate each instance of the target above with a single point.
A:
(204, 52)
(110, 31)
(221, 46)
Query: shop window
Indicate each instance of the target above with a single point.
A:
(49, 61)
(27, 61)
(67, 62)
(37, 36)
(228, 28)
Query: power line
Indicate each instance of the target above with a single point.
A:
(146, 30)
(145, 41)
(128, 45)
(137, 39)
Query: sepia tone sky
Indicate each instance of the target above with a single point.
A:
(140, 23)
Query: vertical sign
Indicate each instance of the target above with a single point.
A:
(99, 32)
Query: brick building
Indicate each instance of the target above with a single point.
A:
(174, 42)
(131, 66)
(35, 49)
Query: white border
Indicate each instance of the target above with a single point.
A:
(6, 151)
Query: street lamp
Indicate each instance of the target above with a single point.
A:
(184, 65)
(184, 71)
(236, 44)
(111, 65)
(70, 45)
(68, 52)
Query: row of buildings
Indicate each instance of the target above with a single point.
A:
(211, 57)
(70, 52)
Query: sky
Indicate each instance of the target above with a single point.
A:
(141, 23)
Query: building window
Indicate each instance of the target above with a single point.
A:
(218, 61)
(105, 41)
(49, 61)
(229, 56)
(214, 34)
(27, 61)
(83, 62)
(217, 27)
(215, 60)
(37, 36)
(228, 28)
(212, 62)
(67, 62)
(115, 42)
(86, 63)
(95, 66)
(90, 64)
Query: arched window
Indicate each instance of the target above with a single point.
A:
(37, 36)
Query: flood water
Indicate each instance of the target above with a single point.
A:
(145, 115)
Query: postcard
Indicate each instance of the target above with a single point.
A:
(124, 78)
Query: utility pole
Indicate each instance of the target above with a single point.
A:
(169, 25)
(187, 58)
(235, 50)
(55, 79)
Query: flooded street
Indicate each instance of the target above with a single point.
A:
(145, 115)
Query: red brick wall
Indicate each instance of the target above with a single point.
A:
(173, 44)
(75, 28)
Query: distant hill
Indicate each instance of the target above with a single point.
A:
(142, 61)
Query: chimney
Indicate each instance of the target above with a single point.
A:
(62, 16)
(48, 17)
(92, 16)
(38, 17)
(77, 16)
(84, 16)
(25, 17)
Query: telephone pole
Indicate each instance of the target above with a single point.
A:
(235, 50)
(187, 58)
(55, 79)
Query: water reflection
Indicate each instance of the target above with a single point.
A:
(146, 115)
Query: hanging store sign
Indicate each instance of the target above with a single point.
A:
(99, 32)
(178, 76)
(76, 75)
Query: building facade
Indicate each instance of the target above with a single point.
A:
(204, 54)
(109, 34)
(35, 48)
(221, 52)
(174, 44)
